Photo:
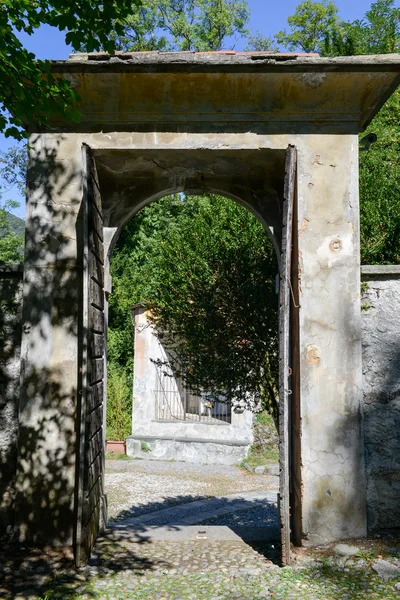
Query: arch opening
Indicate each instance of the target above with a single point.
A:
(153, 423)
(130, 180)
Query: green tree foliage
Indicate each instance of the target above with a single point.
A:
(377, 33)
(316, 26)
(380, 189)
(206, 269)
(13, 164)
(12, 174)
(133, 251)
(167, 25)
(11, 244)
(309, 26)
(260, 43)
(28, 91)
(217, 308)
(381, 29)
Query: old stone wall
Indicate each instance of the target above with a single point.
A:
(381, 387)
(10, 349)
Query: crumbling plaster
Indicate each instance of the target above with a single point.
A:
(217, 105)
(330, 323)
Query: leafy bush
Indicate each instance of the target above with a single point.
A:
(145, 447)
(380, 188)
(119, 403)
(206, 269)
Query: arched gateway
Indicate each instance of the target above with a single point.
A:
(277, 133)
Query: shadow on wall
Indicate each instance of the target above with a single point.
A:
(10, 350)
(381, 372)
(379, 439)
(44, 491)
(335, 469)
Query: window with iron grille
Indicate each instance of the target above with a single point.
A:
(174, 402)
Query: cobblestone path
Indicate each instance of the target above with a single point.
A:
(122, 569)
(156, 555)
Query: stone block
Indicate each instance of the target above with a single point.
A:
(386, 570)
(260, 470)
(133, 447)
(346, 549)
(197, 451)
(273, 470)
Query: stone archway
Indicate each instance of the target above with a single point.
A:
(145, 105)
(264, 182)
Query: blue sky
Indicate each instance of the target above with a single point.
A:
(267, 16)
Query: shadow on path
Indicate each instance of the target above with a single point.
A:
(133, 547)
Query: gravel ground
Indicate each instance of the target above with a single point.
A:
(138, 487)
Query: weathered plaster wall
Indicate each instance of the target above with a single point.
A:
(183, 89)
(330, 337)
(51, 292)
(213, 103)
(10, 349)
(381, 386)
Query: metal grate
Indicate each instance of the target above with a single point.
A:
(176, 403)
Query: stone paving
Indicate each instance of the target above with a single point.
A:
(201, 560)
(123, 569)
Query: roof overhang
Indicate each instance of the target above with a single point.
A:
(264, 92)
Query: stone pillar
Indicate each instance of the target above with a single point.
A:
(144, 373)
(52, 295)
(333, 475)
(243, 418)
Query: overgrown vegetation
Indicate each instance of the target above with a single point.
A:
(206, 269)
(145, 447)
(119, 403)
(265, 449)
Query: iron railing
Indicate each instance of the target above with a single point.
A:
(174, 402)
